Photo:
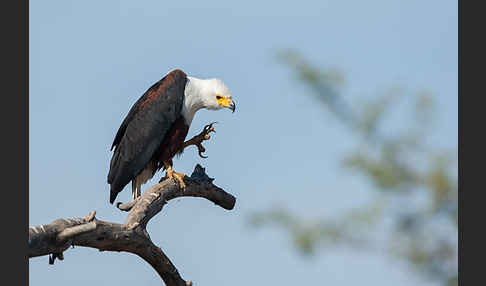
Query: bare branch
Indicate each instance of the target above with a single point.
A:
(75, 230)
(128, 206)
(198, 185)
(53, 239)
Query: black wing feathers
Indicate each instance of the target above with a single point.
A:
(132, 112)
(143, 129)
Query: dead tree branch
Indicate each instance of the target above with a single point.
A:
(54, 238)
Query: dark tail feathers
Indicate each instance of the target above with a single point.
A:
(113, 194)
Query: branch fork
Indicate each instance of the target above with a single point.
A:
(54, 238)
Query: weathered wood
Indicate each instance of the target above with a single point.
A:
(132, 236)
(198, 185)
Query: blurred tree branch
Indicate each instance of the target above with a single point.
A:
(400, 166)
(54, 238)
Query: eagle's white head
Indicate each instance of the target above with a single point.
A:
(205, 93)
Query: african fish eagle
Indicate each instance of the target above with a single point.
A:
(154, 130)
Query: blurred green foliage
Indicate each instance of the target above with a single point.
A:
(400, 165)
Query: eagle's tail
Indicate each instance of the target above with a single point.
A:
(113, 193)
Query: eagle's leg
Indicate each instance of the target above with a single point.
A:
(139, 191)
(198, 139)
(171, 174)
(134, 189)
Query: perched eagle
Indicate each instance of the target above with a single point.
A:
(154, 130)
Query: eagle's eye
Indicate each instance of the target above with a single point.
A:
(218, 97)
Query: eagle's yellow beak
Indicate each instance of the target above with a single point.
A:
(227, 102)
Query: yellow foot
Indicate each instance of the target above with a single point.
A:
(178, 176)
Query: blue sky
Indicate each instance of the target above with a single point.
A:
(91, 60)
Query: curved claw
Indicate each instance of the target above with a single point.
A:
(204, 135)
(201, 150)
(209, 128)
(202, 156)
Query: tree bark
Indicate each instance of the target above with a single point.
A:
(54, 238)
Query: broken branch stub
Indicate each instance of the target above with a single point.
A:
(54, 238)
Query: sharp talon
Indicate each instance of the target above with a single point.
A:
(202, 156)
(201, 137)
(210, 125)
(201, 150)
